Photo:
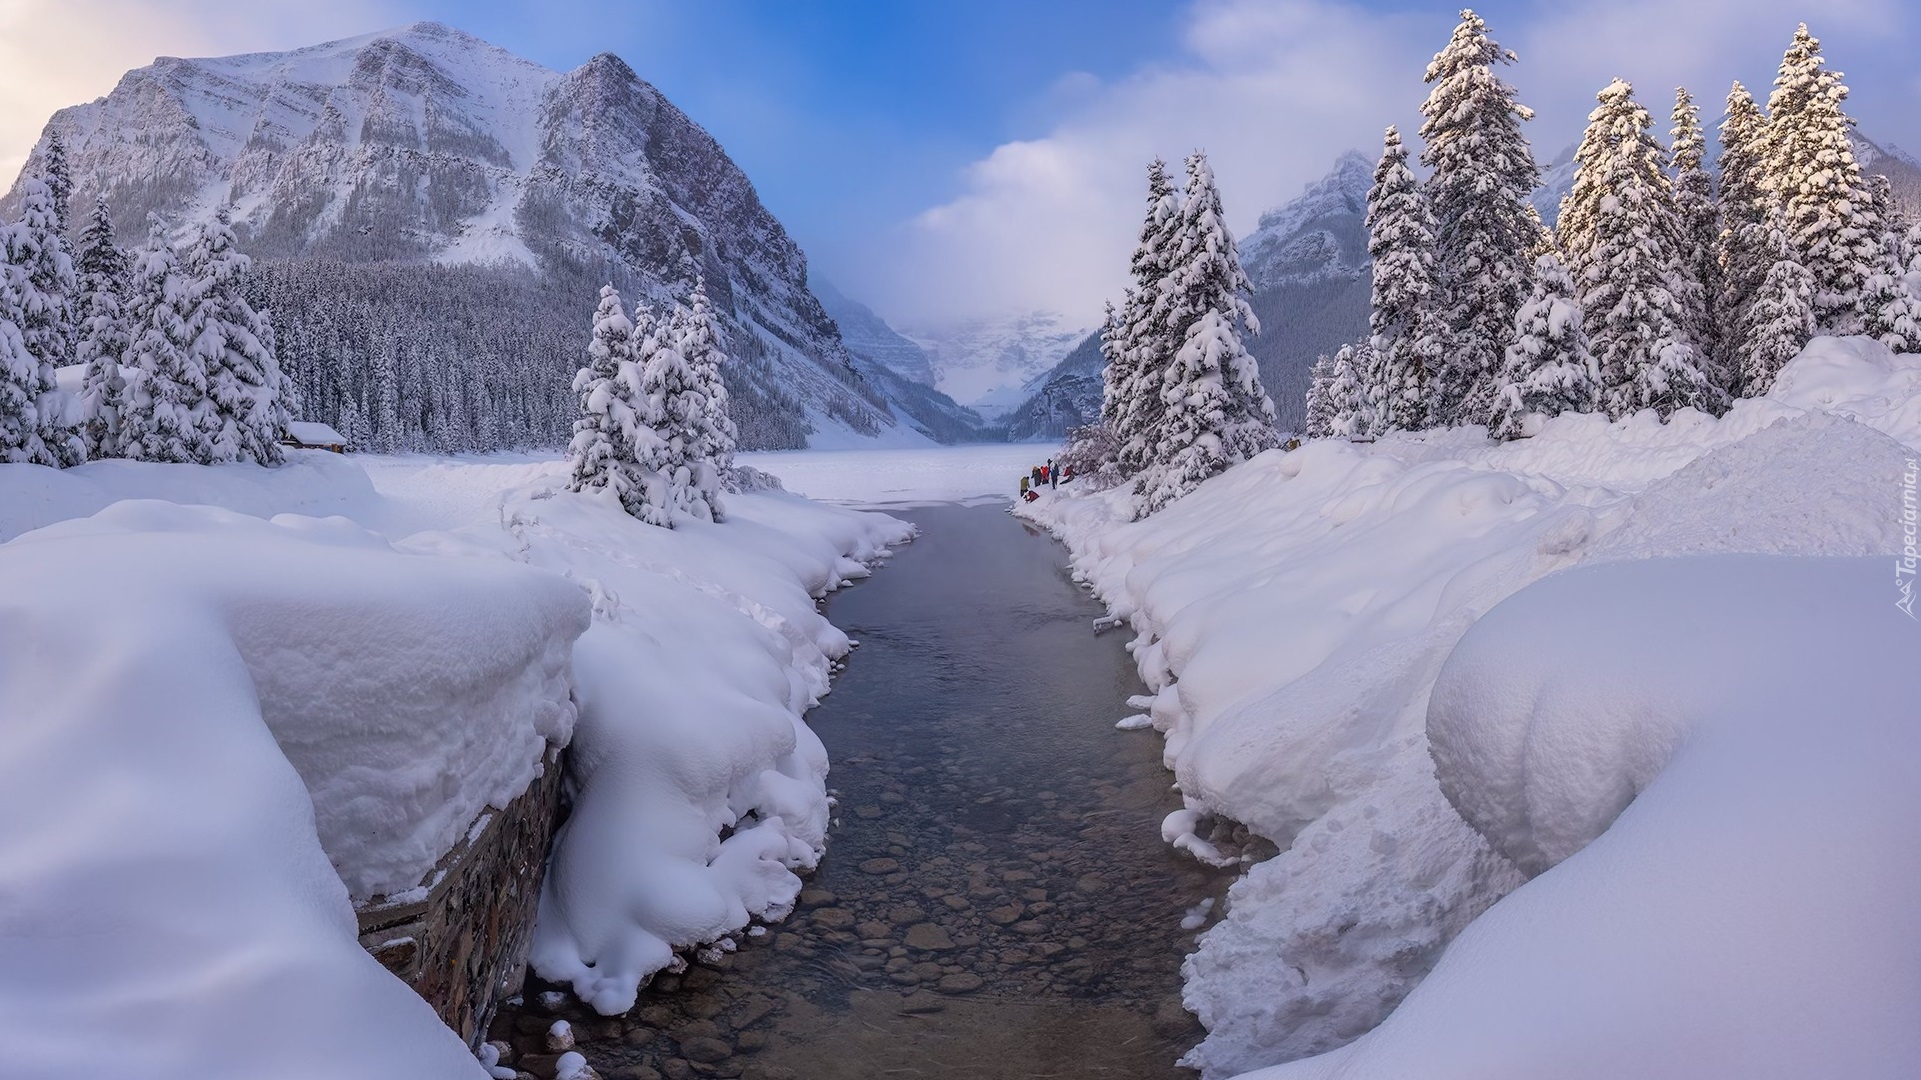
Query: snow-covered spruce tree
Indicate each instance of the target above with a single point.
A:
(28, 435)
(1829, 206)
(1401, 317)
(232, 343)
(102, 339)
(661, 379)
(1349, 414)
(1144, 344)
(39, 285)
(1780, 316)
(1619, 229)
(713, 435)
(1320, 402)
(1482, 174)
(165, 414)
(606, 445)
(1548, 369)
(39, 252)
(1745, 249)
(59, 177)
(1216, 413)
(1893, 313)
(1700, 223)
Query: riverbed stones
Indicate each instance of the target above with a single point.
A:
(880, 866)
(833, 918)
(931, 937)
(960, 983)
(705, 1049)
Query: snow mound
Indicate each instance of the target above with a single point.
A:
(1809, 485)
(214, 722)
(410, 694)
(1706, 760)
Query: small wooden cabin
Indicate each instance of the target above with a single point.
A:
(308, 435)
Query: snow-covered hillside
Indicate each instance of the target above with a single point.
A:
(983, 363)
(1293, 616)
(427, 145)
(899, 367)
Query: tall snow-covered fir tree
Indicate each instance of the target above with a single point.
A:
(102, 338)
(607, 443)
(1320, 401)
(59, 178)
(713, 433)
(1746, 248)
(1620, 232)
(165, 414)
(1893, 313)
(1780, 317)
(1828, 204)
(36, 301)
(1548, 369)
(233, 345)
(1401, 322)
(674, 401)
(38, 251)
(1217, 414)
(1699, 219)
(1348, 411)
(1483, 172)
(1143, 342)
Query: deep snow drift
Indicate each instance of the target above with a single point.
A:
(1751, 912)
(177, 671)
(1293, 616)
(170, 675)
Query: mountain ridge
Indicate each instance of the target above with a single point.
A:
(427, 145)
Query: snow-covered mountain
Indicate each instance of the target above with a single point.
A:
(427, 145)
(984, 363)
(1320, 236)
(900, 368)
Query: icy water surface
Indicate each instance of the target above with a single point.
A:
(996, 900)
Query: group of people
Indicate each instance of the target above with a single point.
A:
(1043, 476)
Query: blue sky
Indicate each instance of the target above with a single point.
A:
(945, 159)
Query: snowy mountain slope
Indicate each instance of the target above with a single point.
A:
(1064, 398)
(984, 363)
(900, 369)
(426, 144)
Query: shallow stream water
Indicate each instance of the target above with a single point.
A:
(996, 900)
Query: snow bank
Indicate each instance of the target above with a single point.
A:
(706, 650)
(213, 722)
(180, 917)
(1293, 615)
(1711, 760)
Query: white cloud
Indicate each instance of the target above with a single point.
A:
(1272, 91)
(55, 53)
(1275, 90)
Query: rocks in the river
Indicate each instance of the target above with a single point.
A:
(705, 1049)
(959, 983)
(560, 1037)
(1005, 916)
(833, 918)
(931, 937)
(880, 866)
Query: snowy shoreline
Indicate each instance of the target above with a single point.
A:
(1293, 615)
(698, 651)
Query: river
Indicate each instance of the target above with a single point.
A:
(996, 900)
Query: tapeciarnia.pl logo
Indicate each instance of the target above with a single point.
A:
(1904, 567)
